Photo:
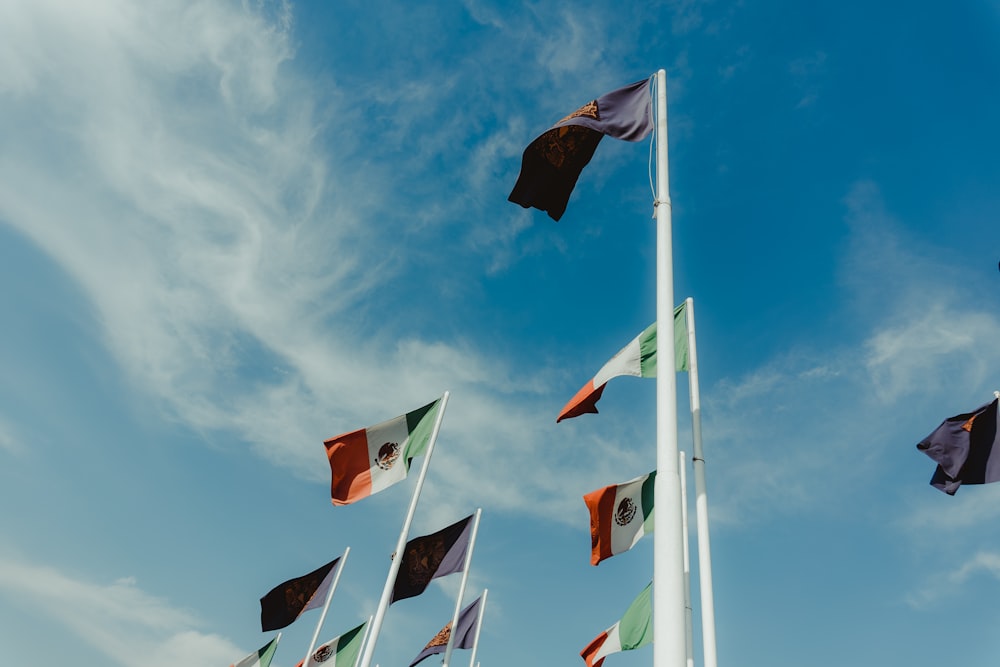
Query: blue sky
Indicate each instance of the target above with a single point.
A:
(229, 231)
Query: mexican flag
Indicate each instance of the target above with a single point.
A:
(638, 359)
(340, 651)
(371, 459)
(620, 515)
(262, 658)
(632, 631)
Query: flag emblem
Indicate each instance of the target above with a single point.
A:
(552, 163)
(323, 654)
(431, 556)
(387, 455)
(423, 559)
(589, 110)
(441, 638)
(625, 512)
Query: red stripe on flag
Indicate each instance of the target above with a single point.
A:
(585, 401)
(601, 504)
(349, 467)
(592, 648)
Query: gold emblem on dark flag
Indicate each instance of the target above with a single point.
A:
(589, 110)
(441, 638)
(423, 559)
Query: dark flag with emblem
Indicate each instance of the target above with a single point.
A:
(966, 448)
(430, 557)
(551, 164)
(285, 602)
(465, 636)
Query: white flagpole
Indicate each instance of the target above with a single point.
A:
(668, 554)
(701, 499)
(688, 629)
(390, 579)
(364, 640)
(326, 605)
(461, 587)
(479, 627)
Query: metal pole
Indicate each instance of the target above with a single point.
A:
(390, 580)
(668, 565)
(461, 588)
(326, 605)
(688, 625)
(701, 500)
(479, 628)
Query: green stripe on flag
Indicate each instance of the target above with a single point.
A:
(648, 487)
(634, 629)
(647, 352)
(349, 646)
(420, 425)
(647, 345)
(680, 338)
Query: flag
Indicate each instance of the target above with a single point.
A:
(371, 459)
(551, 164)
(430, 557)
(632, 631)
(465, 636)
(638, 358)
(620, 515)
(966, 448)
(340, 651)
(285, 602)
(260, 658)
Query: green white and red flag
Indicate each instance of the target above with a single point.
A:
(262, 657)
(638, 359)
(634, 630)
(340, 651)
(372, 459)
(620, 515)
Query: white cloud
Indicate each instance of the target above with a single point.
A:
(822, 422)
(9, 439)
(171, 167)
(943, 584)
(118, 619)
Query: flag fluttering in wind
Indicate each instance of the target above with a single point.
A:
(966, 448)
(620, 515)
(287, 601)
(634, 630)
(465, 636)
(431, 556)
(371, 459)
(261, 658)
(551, 164)
(638, 358)
(340, 651)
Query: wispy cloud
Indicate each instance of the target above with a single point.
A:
(943, 584)
(10, 439)
(806, 73)
(175, 173)
(812, 424)
(117, 619)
